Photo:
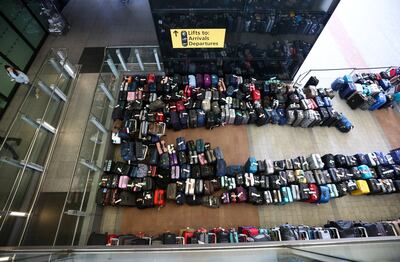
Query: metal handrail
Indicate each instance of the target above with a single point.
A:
(305, 74)
(180, 248)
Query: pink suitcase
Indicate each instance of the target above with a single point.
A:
(123, 182)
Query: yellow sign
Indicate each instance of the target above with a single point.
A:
(198, 38)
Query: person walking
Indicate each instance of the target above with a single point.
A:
(16, 75)
(19, 77)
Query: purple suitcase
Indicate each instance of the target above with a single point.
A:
(207, 81)
(199, 80)
(225, 198)
(241, 194)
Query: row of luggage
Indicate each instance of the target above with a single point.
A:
(205, 100)
(369, 91)
(285, 232)
(146, 193)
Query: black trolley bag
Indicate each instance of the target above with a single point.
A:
(324, 116)
(192, 118)
(126, 198)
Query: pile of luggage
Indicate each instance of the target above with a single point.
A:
(286, 232)
(369, 91)
(193, 173)
(148, 105)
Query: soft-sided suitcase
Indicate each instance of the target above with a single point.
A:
(347, 90)
(356, 100)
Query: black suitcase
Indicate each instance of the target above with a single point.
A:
(324, 116)
(97, 239)
(334, 117)
(304, 191)
(184, 119)
(146, 200)
(329, 161)
(192, 118)
(374, 186)
(340, 160)
(261, 117)
(356, 100)
(126, 198)
(210, 119)
(312, 81)
(175, 122)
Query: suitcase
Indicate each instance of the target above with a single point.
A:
(232, 115)
(159, 197)
(362, 188)
(267, 197)
(313, 193)
(241, 194)
(380, 100)
(192, 118)
(347, 90)
(255, 196)
(299, 114)
(190, 186)
(290, 116)
(356, 100)
(261, 118)
(184, 119)
(251, 165)
(324, 195)
(375, 186)
(201, 118)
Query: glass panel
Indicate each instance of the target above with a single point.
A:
(7, 180)
(20, 17)
(13, 46)
(263, 38)
(41, 147)
(6, 85)
(36, 8)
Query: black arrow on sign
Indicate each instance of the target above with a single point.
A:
(176, 33)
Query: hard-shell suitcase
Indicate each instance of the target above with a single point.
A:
(192, 118)
(362, 188)
(313, 194)
(299, 117)
(184, 119)
(380, 101)
(201, 118)
(251, 165)
(324, 194)
(241, 194)
(232, 116)
(290, 116)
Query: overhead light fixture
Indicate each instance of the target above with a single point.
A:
(18, 214)
(5, 258)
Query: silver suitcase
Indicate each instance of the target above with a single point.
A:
(232, 115)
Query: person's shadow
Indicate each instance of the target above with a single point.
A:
(9, 147)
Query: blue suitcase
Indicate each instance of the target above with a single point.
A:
(385, 84)
(221, 168)
(251, 165)
(181, 144)
(282, 117)
(201, 118)
(347, 90)
(320, 102)
(338, 84)
(327, 101)
(285, 195)
(324, 195)
(214, 80)
(396, 155)
(234, 169)
(348, 79)
(290, 195)
(380, 101)
(274, 117)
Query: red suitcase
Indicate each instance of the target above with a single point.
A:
(255, 95)
(151, 78)
(313, 193)
(159, 197)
